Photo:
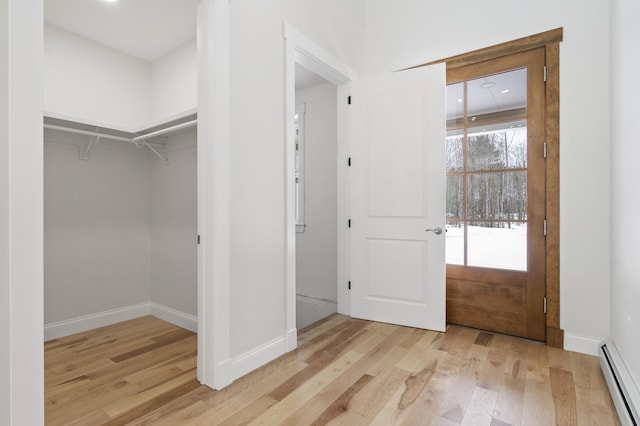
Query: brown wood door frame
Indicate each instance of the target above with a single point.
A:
(550, 41)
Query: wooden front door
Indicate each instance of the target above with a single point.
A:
(495, 161)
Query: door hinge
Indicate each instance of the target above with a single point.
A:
(349, 99)
(545, 73)
(198, 239)
(544, 301)
(349, 285)
(349, 161)
(544, 150)
(349, 223)
(544, 227)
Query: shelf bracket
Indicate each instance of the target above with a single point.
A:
(83, 152)
(155, 151)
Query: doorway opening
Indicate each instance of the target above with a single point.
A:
(302, 57)
(120, 182)
(316, 197)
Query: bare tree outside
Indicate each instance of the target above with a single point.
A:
(497, 186)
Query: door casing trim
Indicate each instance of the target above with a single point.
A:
(301, 50)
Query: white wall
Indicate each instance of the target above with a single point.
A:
(174, 82)
(409, 32)
(173, 226)
(257, 207)
(257, 149)
(120, 228)
(21, 355)
(625, 204)
(398, 34)
(316, 247)
(5, 220)
(93, 83)
(97, 227)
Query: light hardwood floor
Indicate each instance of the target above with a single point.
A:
(345, 371)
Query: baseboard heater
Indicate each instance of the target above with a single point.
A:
(624, 392)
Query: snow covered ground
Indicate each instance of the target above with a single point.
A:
(489, 247)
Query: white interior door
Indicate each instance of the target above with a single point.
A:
(398, 192)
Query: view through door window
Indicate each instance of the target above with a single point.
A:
(486, 162)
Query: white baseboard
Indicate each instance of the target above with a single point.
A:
(583, 344)
(89, 322)
(173, 316)
(292, 339)
(256, 358)
(224, 375)
(310, 310)
(102, 319)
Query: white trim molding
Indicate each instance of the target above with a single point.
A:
(343, 202)
(213, 193)
(580, 343)
(89, 322)
(21, 213)
(175, 317)
(314, 58)
(301, 50)
(82, 323)
(256, 357)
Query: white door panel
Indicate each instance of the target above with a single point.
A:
(399, 262)
(398, 191)
(395, 173)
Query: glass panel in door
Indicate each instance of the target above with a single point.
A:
(486, 163)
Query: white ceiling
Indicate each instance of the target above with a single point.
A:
(149, 29)
(146, 29)
(306, 78)
(493, 93)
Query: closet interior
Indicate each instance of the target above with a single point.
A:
(120, 155)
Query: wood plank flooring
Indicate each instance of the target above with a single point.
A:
(344, 372)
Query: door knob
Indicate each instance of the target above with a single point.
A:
(436, 230)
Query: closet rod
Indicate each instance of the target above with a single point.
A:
(92, 133)
(86, 132)
(165, 131)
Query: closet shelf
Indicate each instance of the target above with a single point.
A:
(90, 133)
(140, 140)
(165, 131)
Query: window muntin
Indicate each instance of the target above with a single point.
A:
(486, 164)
